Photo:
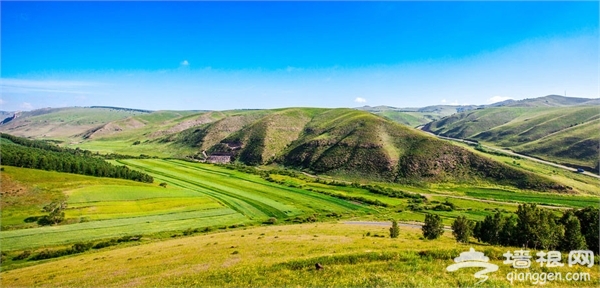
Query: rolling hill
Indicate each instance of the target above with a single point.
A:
(416, 116)
(61, 123)
(344, 142)
(563, 132)
(349, 143)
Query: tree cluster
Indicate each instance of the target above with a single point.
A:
(536, 228)
(45, 156)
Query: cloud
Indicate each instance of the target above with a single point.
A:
(444, 101)
(185, 63)
(1, 102)
(26, 106)
(10, 85)
(498, 99)
(360, 100)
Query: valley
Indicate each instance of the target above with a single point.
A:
(296, 178)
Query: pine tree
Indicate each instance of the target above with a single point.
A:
(591, 226)
(394, 230)
(433, 227)
(572, 239)
(462, 229)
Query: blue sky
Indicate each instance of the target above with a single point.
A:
(227, 55)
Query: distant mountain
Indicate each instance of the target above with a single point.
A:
(419, 116)
(556, 128)
(547, 101)
(63, 122)
(416, 116)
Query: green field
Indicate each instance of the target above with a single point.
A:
(225, 206)
(197, 196)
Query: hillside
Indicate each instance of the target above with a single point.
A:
(414, 117)
(547, 101)
(61, 123)
(345, 142)
(348, 143)
(562, 134)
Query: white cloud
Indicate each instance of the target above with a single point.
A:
(10, 85)
(444, 101)
(360, 100)
(185, 63)
(454, 102)
(1, 102)
(26, 106)
(498, 99)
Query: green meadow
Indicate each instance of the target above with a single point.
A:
(213, 226)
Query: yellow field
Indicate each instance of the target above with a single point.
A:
(281, 256)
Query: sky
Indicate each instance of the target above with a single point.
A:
(235, 55)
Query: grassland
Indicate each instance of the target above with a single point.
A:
(201, 196)
(197, 196)
(564, 135)
(279, 256)
(63, 123)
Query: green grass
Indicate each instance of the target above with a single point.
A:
(117, 208)
(539, 198)
(25, 191)
(94, 230)
(280, 256)
(125, 192)
(560, 134)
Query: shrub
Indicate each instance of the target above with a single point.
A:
(24, 255)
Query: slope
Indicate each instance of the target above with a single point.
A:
(563, 134)
(62, 123)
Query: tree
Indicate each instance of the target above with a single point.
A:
(488, 230)
(462, 229)
(394, 230)
(590, 218)
(163, 184)
(508, 232)
(537, 227)
(573, 239)
(433, 227)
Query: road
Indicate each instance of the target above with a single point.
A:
(509, 152)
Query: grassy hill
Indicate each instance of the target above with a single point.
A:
(414, 117)
(561, 134)
(61, 123)
(547, 101)
(345, 142)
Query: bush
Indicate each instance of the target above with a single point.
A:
(24, 255)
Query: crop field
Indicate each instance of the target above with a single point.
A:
(275, 256)
(197, 196)
(249, 194)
